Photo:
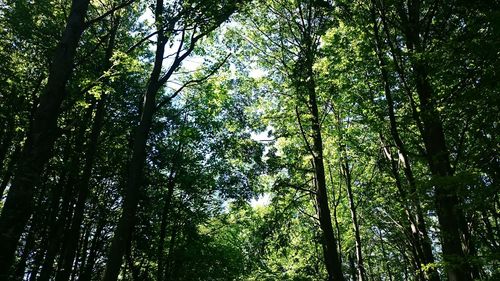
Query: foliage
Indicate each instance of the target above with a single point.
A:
(233, 122)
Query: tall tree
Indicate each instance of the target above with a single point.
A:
(301, 25)
(43, 132)
(191, 22)
(421, 241)
(419, 27)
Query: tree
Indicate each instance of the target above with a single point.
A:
(263, 140)
(165, 28)
(36, 151)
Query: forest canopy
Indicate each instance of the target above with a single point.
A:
(252, 140)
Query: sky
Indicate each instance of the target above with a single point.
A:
(262, 200)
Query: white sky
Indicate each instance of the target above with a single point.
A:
(262, 200)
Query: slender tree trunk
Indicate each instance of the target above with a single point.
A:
(28, 248)
(352, 267)
(6, 142)
(331, 255)
(384, 254)
(163, 227)
(352, 206)
(123, 232)
(81, 256)
(336, 202)
(419, 230)
(305, 85)
(51, 252)
(51, 240)
(332, 260)
(36, 251)
(70, 243)
(447, 202)
(37, 149)
(171, 247)
(86, 271)
(345, 173)
(61, 212)
(410, 230)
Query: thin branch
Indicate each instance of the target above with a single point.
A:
(131, 48)
(301, 188)
(315, 219)
(191, 82)
(122, 5)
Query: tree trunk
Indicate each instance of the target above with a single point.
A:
(332, 260)
(447, 202)
(28, 248)
(37, 149)
(70, 243)
(331, 255)
(81, 254)
(126, 223)
(35, 252)
(359, 254)
(352, 267)
(163, 228)
(305, 85)
(437, 154)
(6, 142)
(123, 231)
(50, 242)
(86, 270)
(336, 202)
(384, 254)
(61, 212)
(418, 228)
(156, 80)
(171, 247)
(71, 238)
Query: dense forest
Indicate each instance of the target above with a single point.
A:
(262, 140)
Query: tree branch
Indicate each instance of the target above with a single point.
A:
(191, 82)
(122, 5)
